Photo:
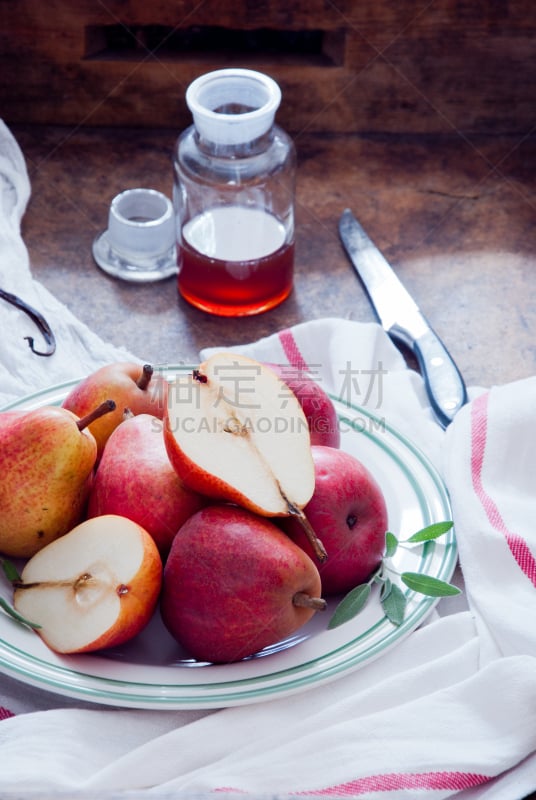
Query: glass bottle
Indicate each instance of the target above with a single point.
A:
(233, 196)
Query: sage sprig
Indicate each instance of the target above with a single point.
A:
(10, 570)
(392, 598)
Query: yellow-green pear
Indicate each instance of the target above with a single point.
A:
(46, 463)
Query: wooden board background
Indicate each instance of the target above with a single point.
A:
(388, 66)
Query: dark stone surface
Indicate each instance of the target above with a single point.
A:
(455, 218)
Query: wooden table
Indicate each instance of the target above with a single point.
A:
(455, 216)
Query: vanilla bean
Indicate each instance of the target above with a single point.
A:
(39, 320)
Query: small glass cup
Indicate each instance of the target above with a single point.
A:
(139, 244)
(234, 188)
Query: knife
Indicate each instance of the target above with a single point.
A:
(402, 319)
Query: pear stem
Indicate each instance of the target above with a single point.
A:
(303, 600)
(316, 544)
(104, 408)
(145, 377)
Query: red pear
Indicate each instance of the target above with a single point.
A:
(234, 583)
(317, 405)
(349, 513)
(132, 386)
(136, 480)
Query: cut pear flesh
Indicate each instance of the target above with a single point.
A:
(244, 433)
(74, 587)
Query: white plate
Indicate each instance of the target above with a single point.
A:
(152, 672)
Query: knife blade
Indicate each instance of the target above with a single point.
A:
(401, 317)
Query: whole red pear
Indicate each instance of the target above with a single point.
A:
(316, 404)
(349, 515)
(135, 479)
(234, 583)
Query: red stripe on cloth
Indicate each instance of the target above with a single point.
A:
(391, 782)
(394, 781)
(5, 713)
(479, 434)
(292, 351)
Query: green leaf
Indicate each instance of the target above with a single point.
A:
(430, 532)
(12, 613)
(391, 543)
(350, 606)
(394, 605)
(10, 570)
(425, 584)
(387, 585)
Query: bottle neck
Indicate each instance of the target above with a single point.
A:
(245, 149)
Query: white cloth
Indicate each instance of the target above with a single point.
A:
(450, 711)
(78, 350)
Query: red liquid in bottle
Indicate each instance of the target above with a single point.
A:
(215, 272)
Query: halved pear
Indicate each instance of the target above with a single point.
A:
(96, 587)
(234, 432)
